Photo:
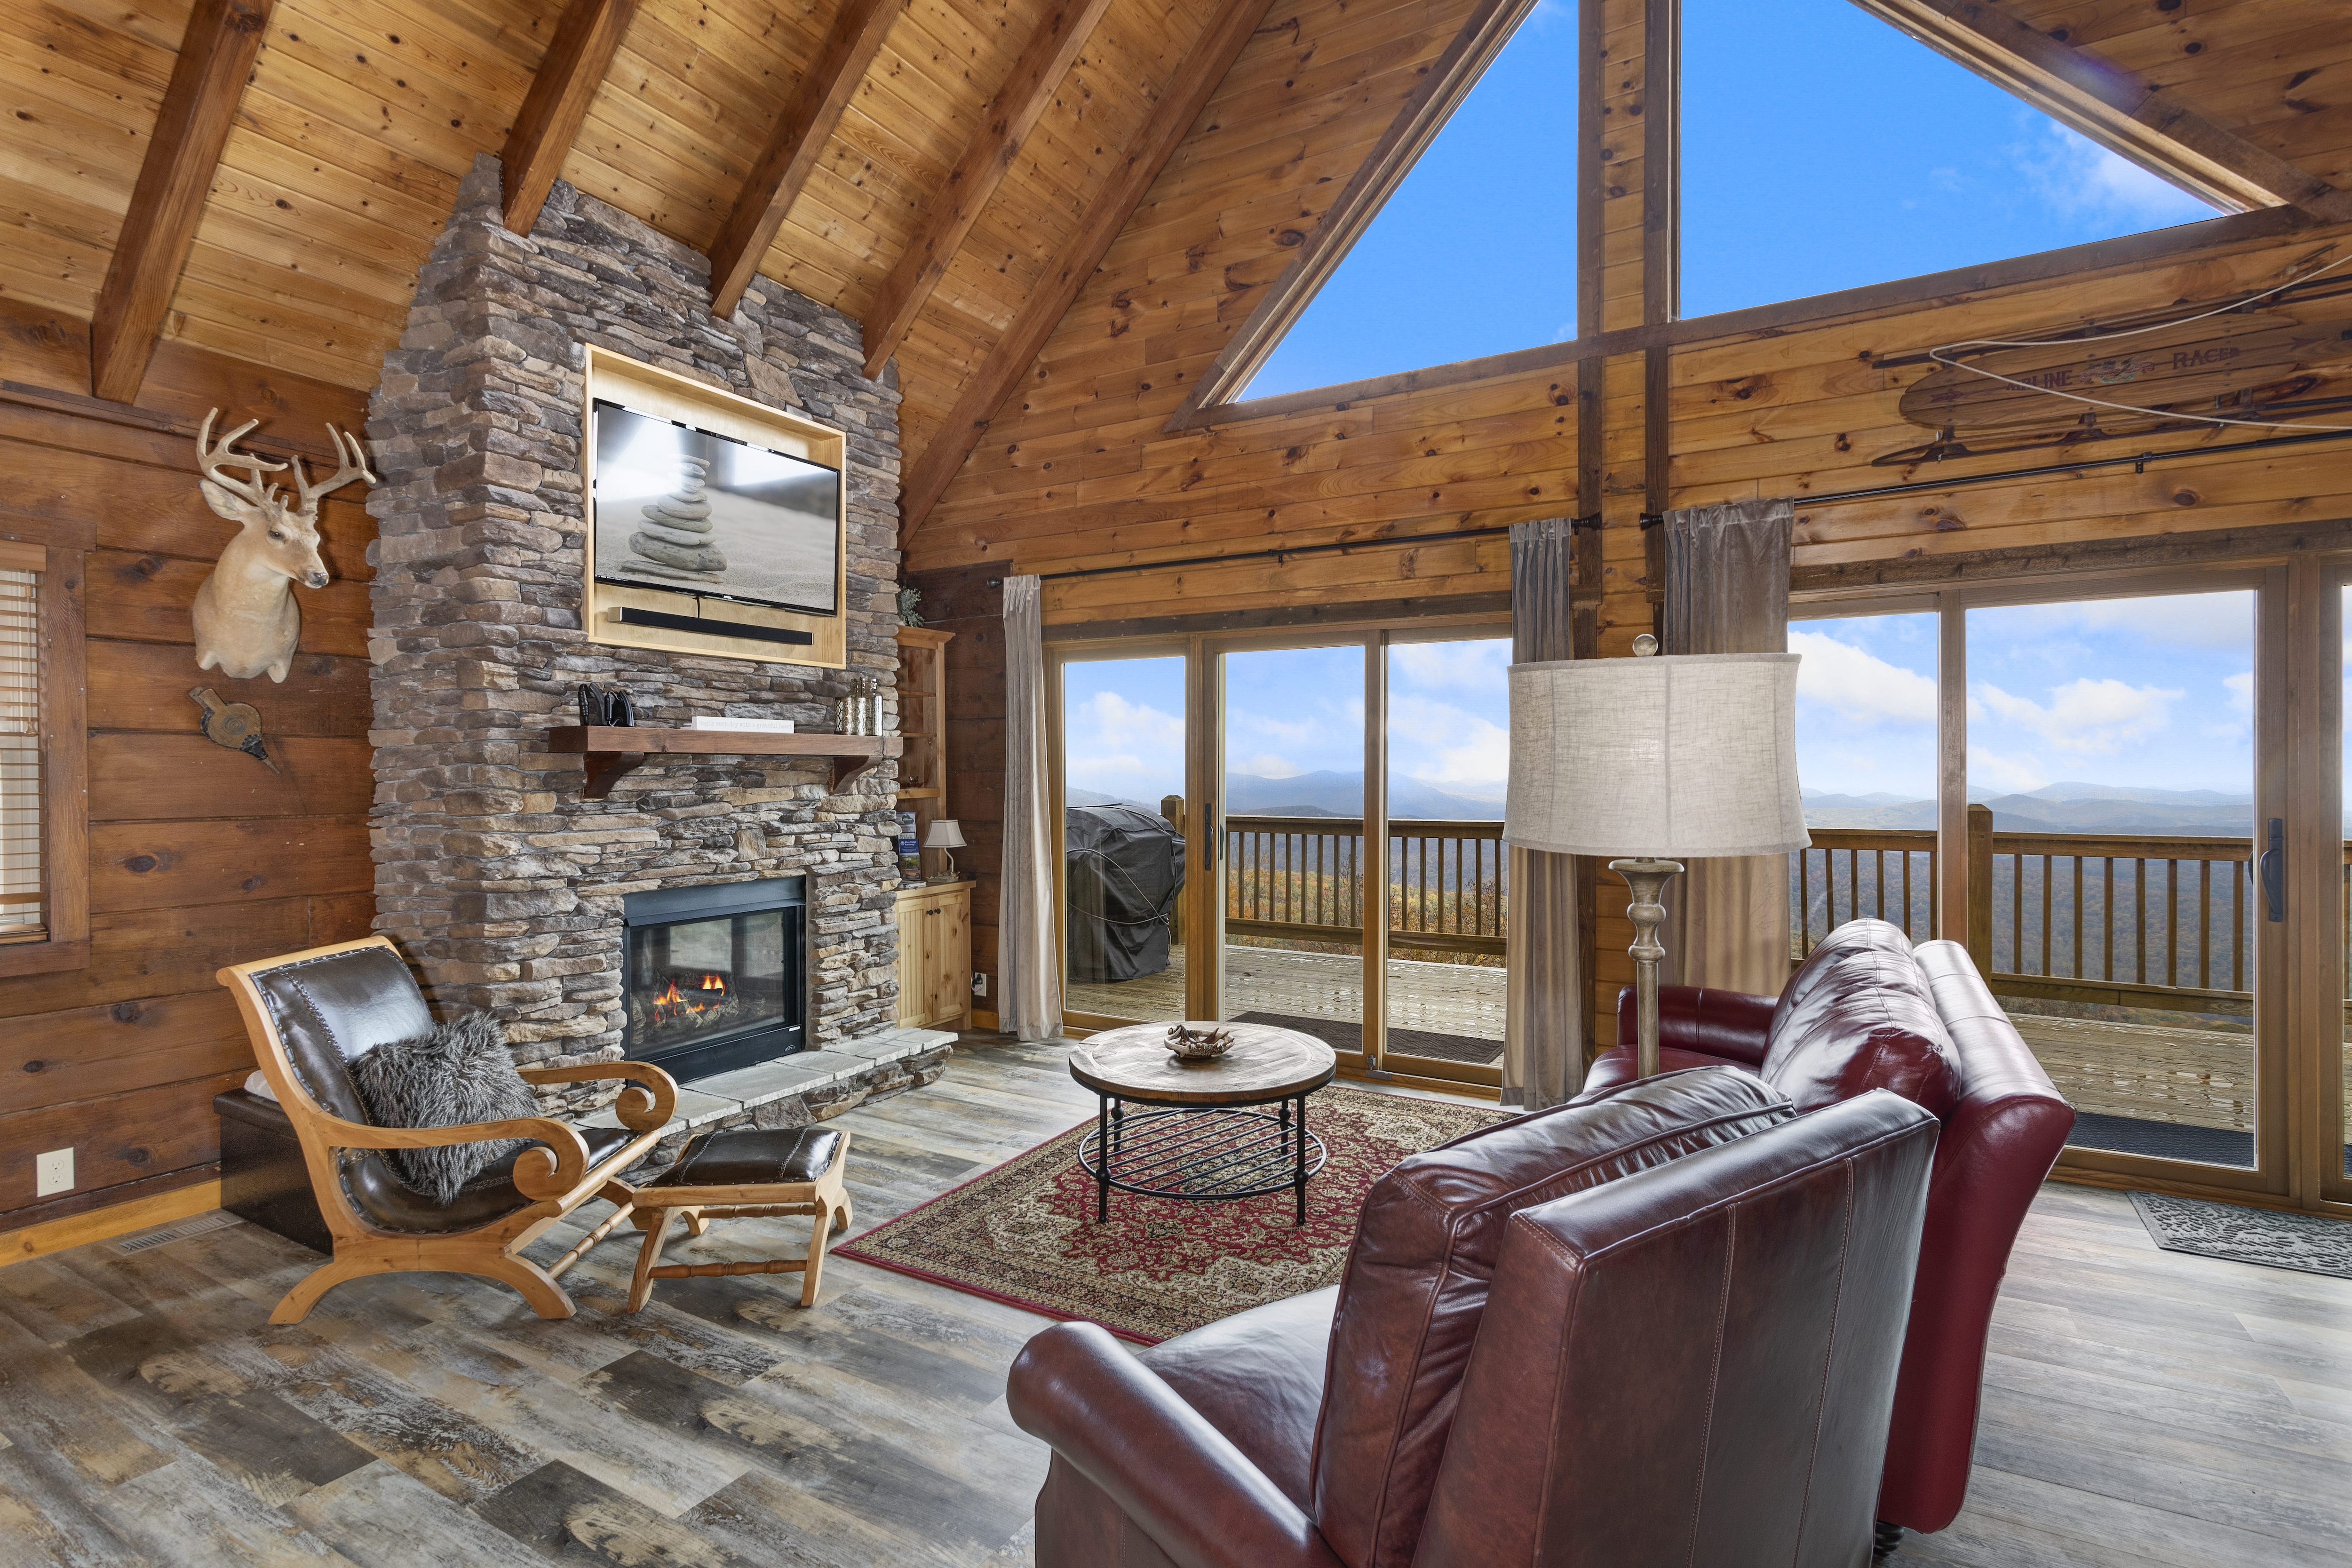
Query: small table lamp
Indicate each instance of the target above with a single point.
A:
(1662, 758)
(946, 834)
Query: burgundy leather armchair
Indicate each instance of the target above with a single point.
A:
(1865, 1011)
(1660, 1326)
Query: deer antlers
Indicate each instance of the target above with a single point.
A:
(353, 466)
(211, 460)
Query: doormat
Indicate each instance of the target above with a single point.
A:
(1343, 1036)
(1024, 1233)
(2309, 1243)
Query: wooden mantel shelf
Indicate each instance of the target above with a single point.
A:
(608, 752)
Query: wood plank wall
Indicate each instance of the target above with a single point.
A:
(1078, 470)
(198, 855)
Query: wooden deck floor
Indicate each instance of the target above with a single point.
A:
(2142, 1407)
(1456, 999)
(2198, 1077)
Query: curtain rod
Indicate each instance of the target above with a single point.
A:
(1649, 519)
(1282, 554)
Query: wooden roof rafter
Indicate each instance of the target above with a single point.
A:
(795, 146)
(176, 178)
(2118, 109)
(1027, 90)
(1418, 120)
(556, 105)
(984, 393)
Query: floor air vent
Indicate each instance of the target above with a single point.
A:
(200, 1226)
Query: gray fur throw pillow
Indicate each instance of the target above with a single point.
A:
(458, 1074)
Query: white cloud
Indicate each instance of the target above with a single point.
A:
(1860, 686)
(2241, 693)
(1265, 765)
(1438, 665)
(2011, 775)
(2085, 717)
(2172, 620)
(2076, 177)
(1449, 748)
(1118, 747)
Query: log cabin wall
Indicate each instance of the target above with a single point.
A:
(199, 856)
(1080, 470)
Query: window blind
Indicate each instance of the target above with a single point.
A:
(22, 916)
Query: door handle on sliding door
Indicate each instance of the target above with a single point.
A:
(2271, 868)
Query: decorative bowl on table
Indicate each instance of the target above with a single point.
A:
(1187, 1045)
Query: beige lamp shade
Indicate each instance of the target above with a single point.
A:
(946, 834)
(1673, 758)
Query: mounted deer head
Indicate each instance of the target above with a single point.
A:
(246, 619)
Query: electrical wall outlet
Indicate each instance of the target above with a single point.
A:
(979, 983)
(53, 1173)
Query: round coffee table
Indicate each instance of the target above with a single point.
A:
(1200, 1140)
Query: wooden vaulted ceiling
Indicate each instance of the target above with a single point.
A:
(359, 117)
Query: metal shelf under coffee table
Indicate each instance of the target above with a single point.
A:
(1201, 1138)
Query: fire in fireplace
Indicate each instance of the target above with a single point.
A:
(714, 975)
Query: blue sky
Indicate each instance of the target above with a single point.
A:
(1295, 710)
(2154, 691)
(2149, 692)
(1822, 150)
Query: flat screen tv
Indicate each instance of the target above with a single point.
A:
(704, 515)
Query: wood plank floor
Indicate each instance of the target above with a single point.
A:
(2143, 1407)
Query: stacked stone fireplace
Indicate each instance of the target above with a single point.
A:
(506, 889)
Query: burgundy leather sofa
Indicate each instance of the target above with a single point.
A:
(1867, 1010)
(1657, 1326)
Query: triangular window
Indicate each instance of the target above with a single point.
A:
(1474, 254)
(1821, 148)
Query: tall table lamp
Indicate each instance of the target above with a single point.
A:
(1661, 759)
(946, 837)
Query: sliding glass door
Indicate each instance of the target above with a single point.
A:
(2113, 798)
(1294, 873)
(1447, 758)
(2081, 787)
(1119, 767)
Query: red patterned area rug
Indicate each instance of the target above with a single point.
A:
(1024, 1232)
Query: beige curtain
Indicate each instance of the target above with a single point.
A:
(1727, 592)
(1029, 968)
(1544, 1005)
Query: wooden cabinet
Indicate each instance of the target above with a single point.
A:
(935, 955)
(923, 725)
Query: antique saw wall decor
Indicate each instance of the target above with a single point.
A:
(2285, 360)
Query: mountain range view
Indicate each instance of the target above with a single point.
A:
(1323, 794)
(2054, 808)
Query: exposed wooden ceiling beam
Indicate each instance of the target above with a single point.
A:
(548, 121)
(217, 56)
(985, 391)
(1004, 125)
(795, 146)
(2114, 106)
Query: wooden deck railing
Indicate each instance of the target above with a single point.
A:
(1301, 878)
(2126, 919)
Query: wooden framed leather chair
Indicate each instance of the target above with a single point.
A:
(312, 1014)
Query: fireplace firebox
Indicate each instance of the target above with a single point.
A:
(715, 976)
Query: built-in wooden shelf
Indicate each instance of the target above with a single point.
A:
(609, 751)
